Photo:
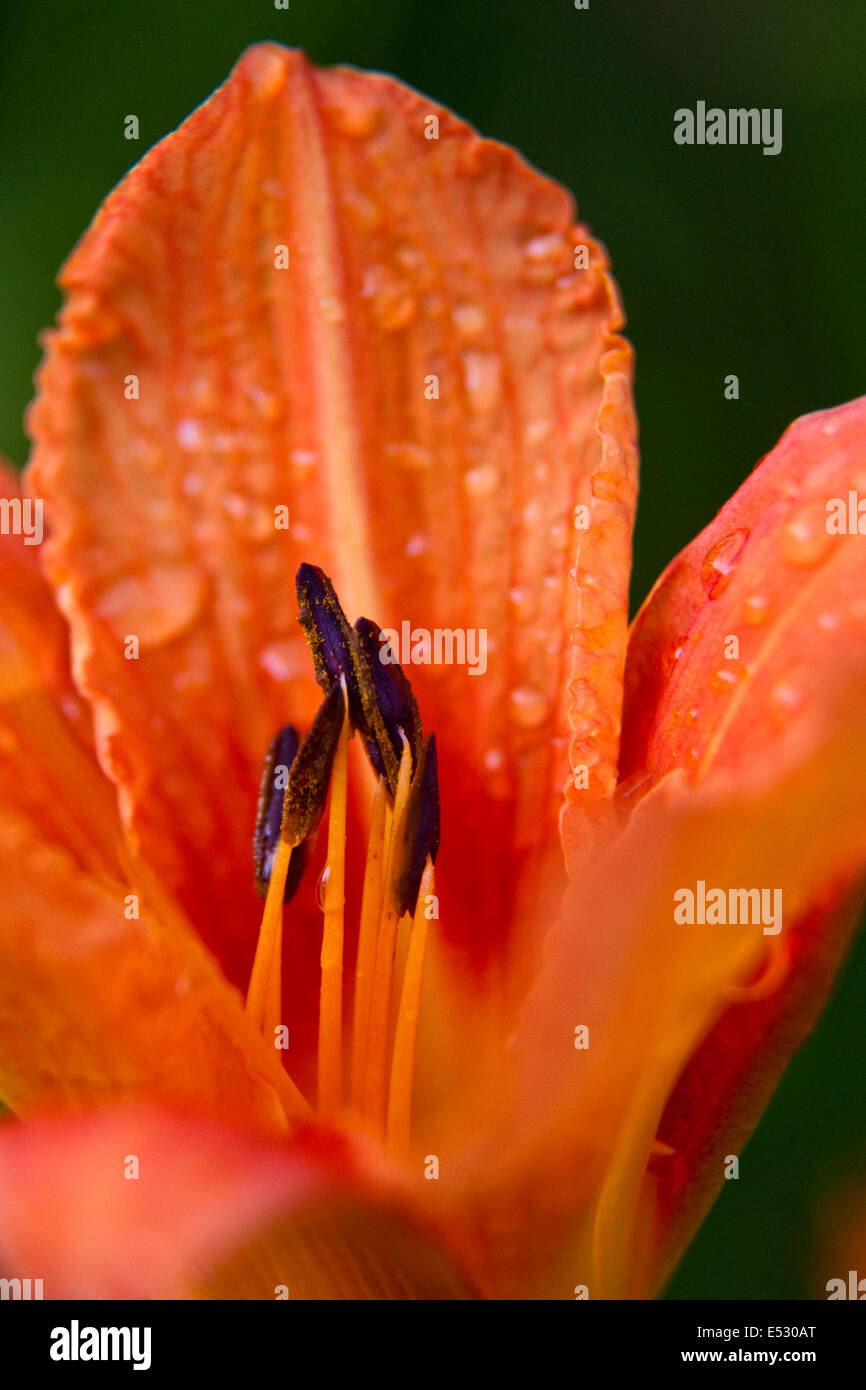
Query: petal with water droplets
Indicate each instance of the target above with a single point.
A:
(745, 645)
(768, 595)
(308, 304)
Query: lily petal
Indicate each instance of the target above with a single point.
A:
(48, 770)
(649, 990)
(430, 386)
(104, 998)
(769, 573)
(156, 1204)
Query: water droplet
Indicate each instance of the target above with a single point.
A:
(756, 609)
(225, 442)
(673, 653)
(283, 659)
(528, 706)
(494, 759)
(721, 561)
(559, 535)
(302, 459)
(546, 256)
(188, 434)
(549, 246)
(200, 391)
(805, 539)
(416, 545)
(409, 455)
(787, 696)
(265, 403)
(469, 320)
(523, 603)
(72, 708)
(363, 212)
(322, 887)
(259, 524)
(356, 116)
(411, 259)
(828, 621)
(236, 504)
(154, 607)
(391, 299)
(144, 454)
(537, 431)
(481, 379)
(726, 678)
(481, 481)
(333, 310)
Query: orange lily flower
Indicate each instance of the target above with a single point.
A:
(326, 324)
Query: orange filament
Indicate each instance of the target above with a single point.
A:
(374, 1098)
(374, 1093)
(264, 993)
(331, 994)
(403, 1061)
(371, 910)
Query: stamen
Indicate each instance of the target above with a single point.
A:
(376, 1065)
(331, 995)
(384, 687)
(264, 996)
(310, 773)
(371, 910)
(405, 1036)
(326, 627)
(363, 692)
(303, 804)
(336, 651)
(418, 836)
(282, 751)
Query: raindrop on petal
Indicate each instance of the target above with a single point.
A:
(805, 539)
(721, 561)
(528, 706)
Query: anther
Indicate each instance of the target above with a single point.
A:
(310, 772)
(280, 756)
(384, 686)
(418, 836)
(326, 627)
(365, 690)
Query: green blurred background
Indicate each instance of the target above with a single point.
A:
(728, 260)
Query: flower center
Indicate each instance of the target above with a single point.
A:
(365, 691)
